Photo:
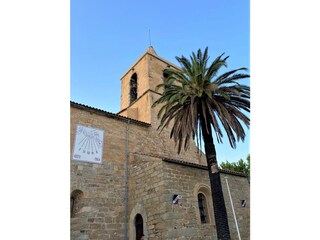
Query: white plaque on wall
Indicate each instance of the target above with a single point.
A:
(88, 145)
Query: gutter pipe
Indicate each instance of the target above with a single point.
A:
(234, 214)
(126, 198)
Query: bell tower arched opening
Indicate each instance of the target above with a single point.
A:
(133, 88)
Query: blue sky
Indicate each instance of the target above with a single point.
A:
(107, 37)
(35, 92)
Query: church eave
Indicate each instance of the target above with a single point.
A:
(108, 114)
(203, 167)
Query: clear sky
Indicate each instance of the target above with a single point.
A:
(107, 37)
(35, 92)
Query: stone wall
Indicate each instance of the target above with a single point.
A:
(141, 69)
(152, 182)
(98, 191)
(239, 190)
(184, 219)
(139, 110)
(146, 190)
(101, 215)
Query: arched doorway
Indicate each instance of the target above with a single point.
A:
(134, 216)
(139, 226)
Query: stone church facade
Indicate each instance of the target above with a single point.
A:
(130, 190)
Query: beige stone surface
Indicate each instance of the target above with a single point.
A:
(151, 181)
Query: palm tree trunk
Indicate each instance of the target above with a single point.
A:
(219, 207)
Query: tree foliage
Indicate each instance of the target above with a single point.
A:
(201, 103)
(196, 96)
(240, 166)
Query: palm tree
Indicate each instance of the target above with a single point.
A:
(199, 102)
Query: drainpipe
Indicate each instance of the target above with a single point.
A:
(234, 214)
(126, 199)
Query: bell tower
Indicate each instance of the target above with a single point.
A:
(138, 87)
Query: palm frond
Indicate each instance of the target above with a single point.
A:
(196, 92)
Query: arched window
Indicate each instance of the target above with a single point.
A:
(165, 75)
(203, 209)
(139, 226)
(133, 88)
(202, 194)
(75, 198)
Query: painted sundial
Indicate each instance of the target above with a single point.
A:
(88, 144)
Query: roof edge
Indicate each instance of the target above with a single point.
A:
(154, 55)
(108, 114)
(149, 90)
(203, 167)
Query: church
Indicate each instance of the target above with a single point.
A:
(127, 180)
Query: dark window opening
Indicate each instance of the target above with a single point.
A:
(133, 88)
(165, 77)
(139, 226)
(202, 208)
(75, 202)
